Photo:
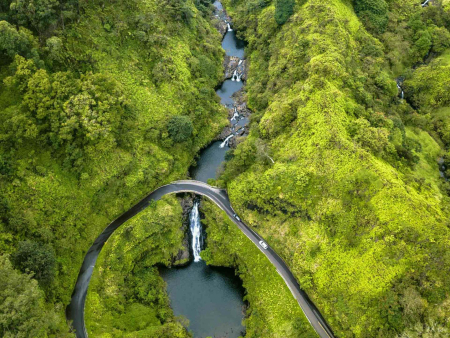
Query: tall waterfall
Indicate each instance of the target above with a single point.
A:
(196, 231)
(229, 27)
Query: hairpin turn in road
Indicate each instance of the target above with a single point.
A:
(75, 310)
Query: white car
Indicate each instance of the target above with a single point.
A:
(263, 244)
(237, 217)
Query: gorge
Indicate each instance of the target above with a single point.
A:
(211, 298)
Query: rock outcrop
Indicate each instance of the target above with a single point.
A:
(184, 255)
(232, 64)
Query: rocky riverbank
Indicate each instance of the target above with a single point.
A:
(184, 255)
(235, 69)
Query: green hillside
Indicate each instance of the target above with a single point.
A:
(103, 101)
(353, 202)
(91, 99)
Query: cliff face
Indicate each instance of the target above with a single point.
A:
(353, 199)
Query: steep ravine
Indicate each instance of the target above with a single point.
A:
(211, 298)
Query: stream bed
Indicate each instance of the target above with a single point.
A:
(211, 298)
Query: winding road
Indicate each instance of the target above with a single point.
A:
(75, 310)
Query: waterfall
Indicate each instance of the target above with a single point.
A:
(225, 143)
(196, 231)
(402, 95)
(236, 76)
(240, 62)
(229, 27)
(425, 3)
(236, 114)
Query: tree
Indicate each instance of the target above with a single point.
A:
(283, 10)
(204, 6)
(180, 128)
(374, 13)
(13, 41)
(36, 258)
(37, 14)
(178, 10)
(22, 309)
(441, 39)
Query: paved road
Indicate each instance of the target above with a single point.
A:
(75, 310)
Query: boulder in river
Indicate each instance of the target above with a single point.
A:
(224, 134)
(230, 64)
(221, 26)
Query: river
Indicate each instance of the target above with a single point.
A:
(211, 298)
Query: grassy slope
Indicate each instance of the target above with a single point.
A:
(272, 311)
(127, 297)
(356, 230)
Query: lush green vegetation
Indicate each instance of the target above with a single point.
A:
(283, 10)
(272, 311)
(100, 102)
(127, 297)
(354, 202)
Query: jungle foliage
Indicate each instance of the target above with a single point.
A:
(127, 297)
(100, 102)
(340, 174)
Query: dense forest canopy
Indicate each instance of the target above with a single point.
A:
(102, 101)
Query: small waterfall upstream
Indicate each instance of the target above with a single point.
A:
(235, 115)
(399, 81)
(225, 143)
(196, 231)
(402, 93)
(236, 76)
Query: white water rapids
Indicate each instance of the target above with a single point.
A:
(196, 231)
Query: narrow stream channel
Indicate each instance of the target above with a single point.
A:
(212, 298)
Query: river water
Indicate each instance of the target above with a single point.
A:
(210, 298)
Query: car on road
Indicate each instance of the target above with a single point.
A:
(263, 244)
(237, 217)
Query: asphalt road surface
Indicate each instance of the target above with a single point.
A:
(75, 310)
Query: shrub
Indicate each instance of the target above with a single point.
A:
(374, 13)
(283, 10)
(36, 258)
(180, 128)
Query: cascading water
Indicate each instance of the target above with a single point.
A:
(225, 142)
(196, 231)
(402, 93)
(236, 76)
(235, 115)
(425, 3)
(210, 299)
